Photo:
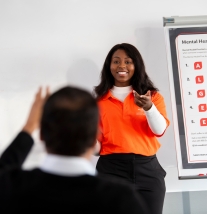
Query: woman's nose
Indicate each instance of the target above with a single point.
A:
(122, 65)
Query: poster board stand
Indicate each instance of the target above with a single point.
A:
(186, 47)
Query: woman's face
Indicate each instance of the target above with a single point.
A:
(122, 68)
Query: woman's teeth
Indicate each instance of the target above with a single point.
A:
(122, 72)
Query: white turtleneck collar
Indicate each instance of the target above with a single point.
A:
(121, 92)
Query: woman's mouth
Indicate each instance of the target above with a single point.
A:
(122, 73)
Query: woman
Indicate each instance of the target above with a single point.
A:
(132, 116)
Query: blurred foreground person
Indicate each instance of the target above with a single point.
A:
(65, 181)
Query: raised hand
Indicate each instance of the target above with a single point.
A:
(143, 101)
(33, 120)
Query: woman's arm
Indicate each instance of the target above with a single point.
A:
(156, 121)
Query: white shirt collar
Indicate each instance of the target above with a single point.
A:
(121, 90)
(67, 166)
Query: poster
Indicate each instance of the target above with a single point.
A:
(187, 51)
(191, 51)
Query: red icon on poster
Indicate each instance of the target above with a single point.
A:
(202, 107)
(197, 65)
(199, 79)
(200, 93)
(203, 121)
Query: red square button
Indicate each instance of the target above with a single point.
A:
(197, 65)
(199, 79)
(202, 107)
(201, 93)
(203, 121)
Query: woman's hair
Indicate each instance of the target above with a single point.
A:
(140, 81)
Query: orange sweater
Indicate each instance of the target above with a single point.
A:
(124, 127)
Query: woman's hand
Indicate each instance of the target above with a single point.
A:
(143, 101)
(33, 120)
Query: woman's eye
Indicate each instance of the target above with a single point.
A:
(116, 62)
(128, 62)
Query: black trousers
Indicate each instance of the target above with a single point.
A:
(143, 172)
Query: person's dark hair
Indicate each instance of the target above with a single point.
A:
(69, 122)
(140, 81)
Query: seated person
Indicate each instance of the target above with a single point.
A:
(65, 181)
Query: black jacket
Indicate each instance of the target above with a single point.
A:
(32, 191)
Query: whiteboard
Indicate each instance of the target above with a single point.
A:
(186, 47)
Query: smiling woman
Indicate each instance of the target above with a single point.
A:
(122, 68)
(132, 116)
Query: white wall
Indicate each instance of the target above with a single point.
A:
(58, 42)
